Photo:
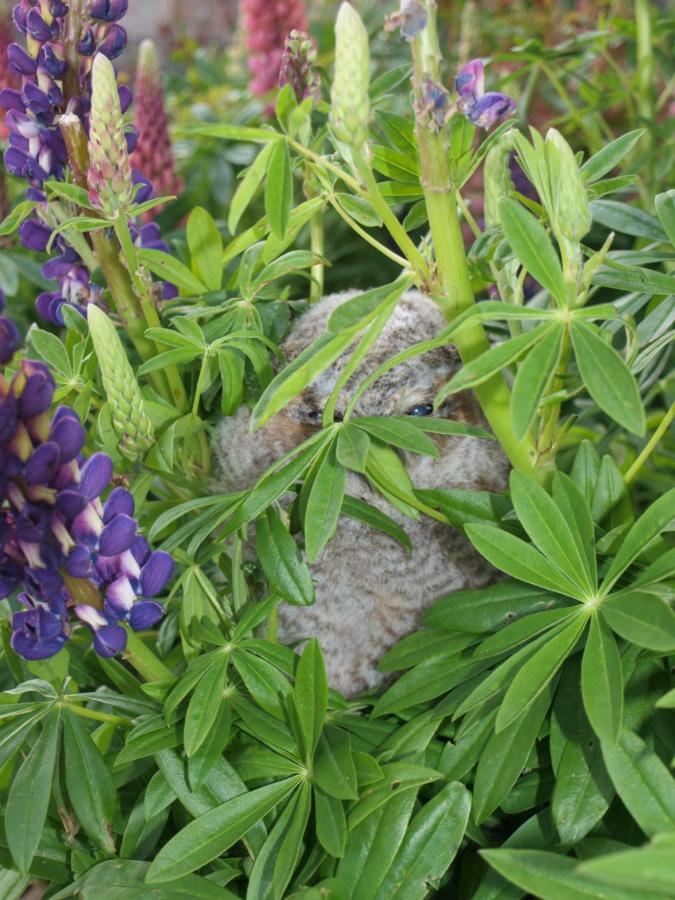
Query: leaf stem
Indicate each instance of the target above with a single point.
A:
(87, 713)
(651, 445)
(146, 663)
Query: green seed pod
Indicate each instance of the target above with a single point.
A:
(497, 176)
(109, 177)
(130, 421)
(350, 105)
(570, 213)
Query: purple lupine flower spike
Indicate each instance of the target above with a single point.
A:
(483, 109)
(53, 523)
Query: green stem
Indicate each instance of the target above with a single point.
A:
(385, 251)
(87, 713)
(141, 657)
(316, 242)
(651, 445)
(457, 294)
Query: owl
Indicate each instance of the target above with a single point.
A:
(370, 590)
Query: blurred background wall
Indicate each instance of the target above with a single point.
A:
(207, 21)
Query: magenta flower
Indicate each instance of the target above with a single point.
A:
(153, 156)
(267, 24)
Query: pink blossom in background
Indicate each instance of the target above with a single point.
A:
(267, 24)
(153, 156)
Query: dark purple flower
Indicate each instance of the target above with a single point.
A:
(37, 28)
(411, 19)
(37, 633)
(108, 10)
(96, 475)
(109, 639)
(114, 42)
(10, 341)
(21, 61)
(35, 235)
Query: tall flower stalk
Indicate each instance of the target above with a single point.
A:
(455, 294)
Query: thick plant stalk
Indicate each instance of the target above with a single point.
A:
(457, 295)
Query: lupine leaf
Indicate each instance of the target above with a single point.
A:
(311, 694)
(281, 561)
(533, 379)
(206, 247)
(279, 189)
(643, 618)
(205, 704)
(216, 831)
(533, 247)
(324, 504)
(602, 682)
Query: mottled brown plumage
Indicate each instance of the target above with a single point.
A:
(370, 592)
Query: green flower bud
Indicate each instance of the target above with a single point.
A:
(570, 213)
(350, 106)
(497, 176)
(109, 177)
(129, 418)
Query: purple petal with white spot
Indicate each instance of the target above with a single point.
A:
(120, 597)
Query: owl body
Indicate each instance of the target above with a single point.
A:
(370, 590)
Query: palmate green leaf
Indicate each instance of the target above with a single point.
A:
(488, 364)
(398, 129)
(642, 618)
(311, 695)
(205, 703)
(643, 782)
(334, 770)
(14, 733)
(295, 377)
(665, 210)
(375, 518)
(489, 608)
(523, 629)
(398, 432)
(430, 845)
(627, 219)
(206, 247)
(660, 570)
(549, 530)
(247, 187)
(575, 510)
(89, 783)
(552, 876)
(583, 789)
(279, 189)
(276, 862)
(610, 156)
(519, 559)
(607, 379)
(533, 247)
(280, 558)
(533, 378)
(381, 850)
(638, 869)
(373, 841)
(602, 681)
(264, 681)
(533, 678)
(386, 471)
(331, 824)
(216, 831)
(642, 533)
(324, 504)
(29, 794)
(352, 448)
(171, 269)
(124, 879)
(504, 758)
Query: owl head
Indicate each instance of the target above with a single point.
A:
(408, 389)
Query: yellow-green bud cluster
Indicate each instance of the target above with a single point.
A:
(350, 105)
(109, 177)
(129, 418)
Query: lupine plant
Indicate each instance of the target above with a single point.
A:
(156, 739)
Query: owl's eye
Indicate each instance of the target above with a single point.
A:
(314, 415)
(422, 409)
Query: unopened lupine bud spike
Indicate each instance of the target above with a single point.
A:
(497, 177)
(130, 420)
(570, 213)
(109, 177)
(350, 105)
